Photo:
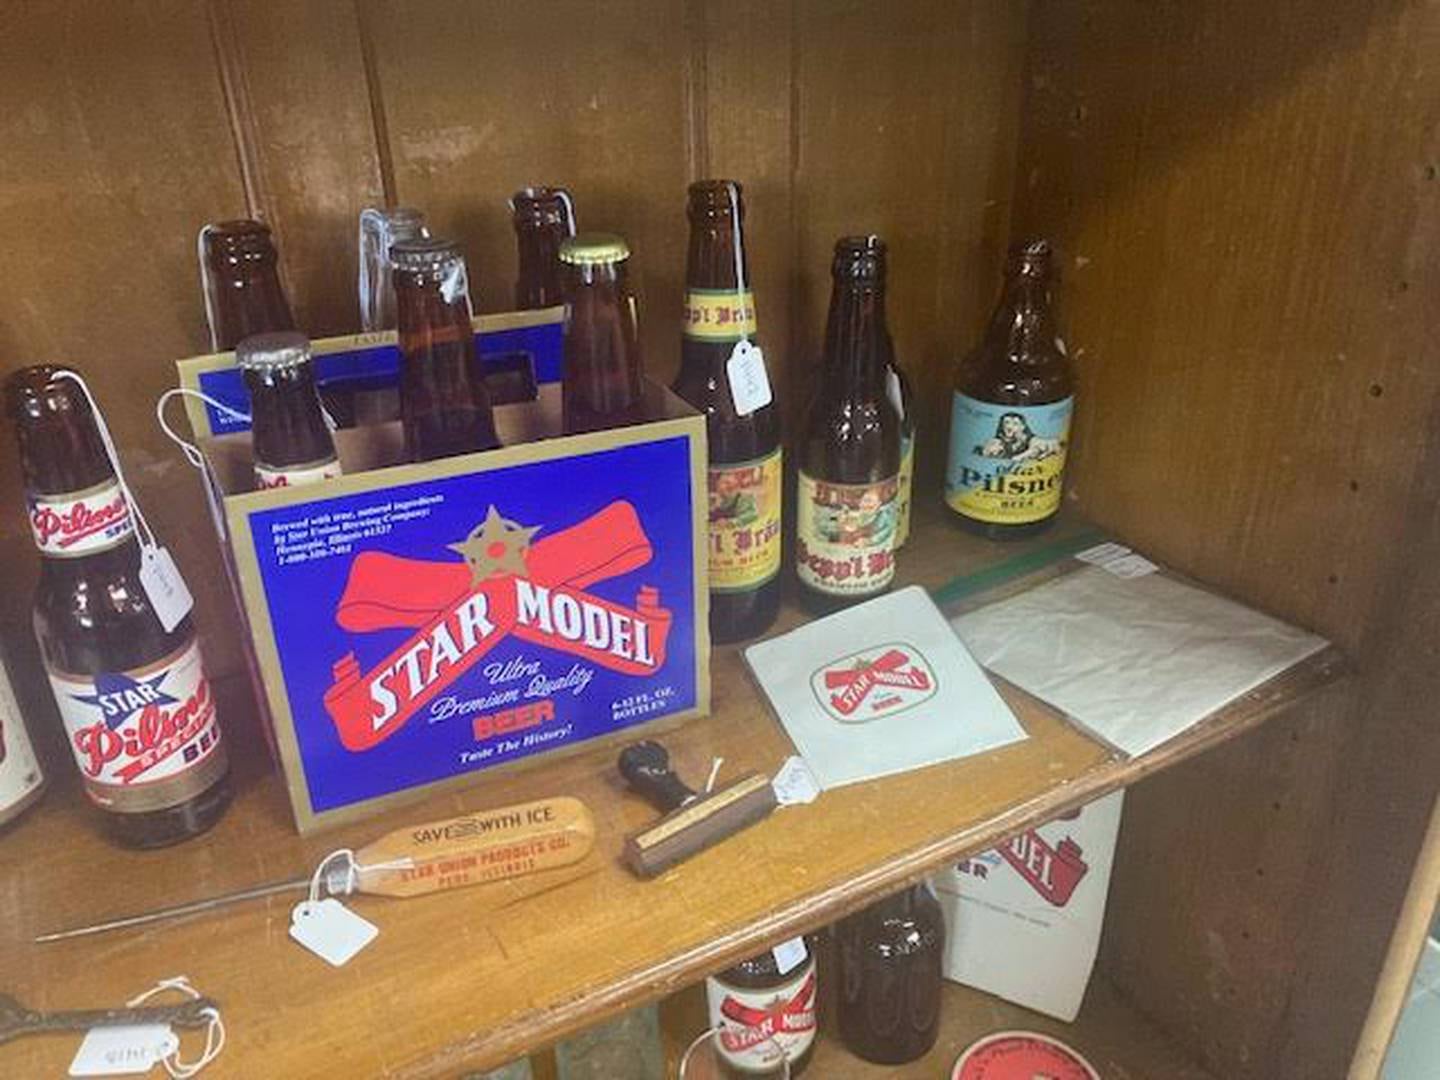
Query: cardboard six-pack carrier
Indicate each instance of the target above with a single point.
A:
(412, 625)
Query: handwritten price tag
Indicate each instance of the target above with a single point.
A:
(749, 381)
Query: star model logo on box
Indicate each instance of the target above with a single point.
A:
(873, 683)
(509, 585)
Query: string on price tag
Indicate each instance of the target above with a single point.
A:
(327, 927)
(134, 1048)
(745, 369)
(159, 577)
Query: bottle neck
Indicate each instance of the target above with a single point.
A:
(427, 312)
(538, 284)
(1023, 328)
(857, 341)
(286, 423)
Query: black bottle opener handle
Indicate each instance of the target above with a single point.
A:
(646, 768)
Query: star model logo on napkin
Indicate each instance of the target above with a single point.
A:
(881, 688)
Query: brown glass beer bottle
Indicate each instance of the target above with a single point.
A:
(745, 463)
(543, 218)
(847, 494)
(242, 283)
(289, 438)
(444, 406)
(1010, 415)
(138, 712)
(764, 1007)
(888, 970)
(601, 387)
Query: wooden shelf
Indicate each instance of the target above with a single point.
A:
(470, 979)
(1111, 1034)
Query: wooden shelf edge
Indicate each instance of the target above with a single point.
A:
(517, 1037)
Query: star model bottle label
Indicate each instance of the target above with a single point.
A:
(757, 1027)
(1007, 462)
(718, 314)
(296, 475)
(846, 535)
(80, 522)
(744, 523)
(144, 739)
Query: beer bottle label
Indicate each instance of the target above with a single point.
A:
(907, 474)
(757, 1027)
(744, 523)
(718, 314)
(1006, 462)
(846, 535)
(79, 523)
(20, 773)
(296, 475)
(144, 739)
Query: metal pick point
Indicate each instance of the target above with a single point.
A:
(194, 907)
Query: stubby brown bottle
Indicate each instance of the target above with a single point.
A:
(889, 974)
(764, 1007)
(847, 497)
(291, 443)
(1010, 415)
(745, 463)
(243, 282)
(444, 406)
(602, 387)
(137, 708)
(543, 218)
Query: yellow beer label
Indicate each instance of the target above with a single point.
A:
(718, 314)
(845, 535)
(907, 474)
(1007, 462)
(744, 523)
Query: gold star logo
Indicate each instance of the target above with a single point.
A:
(497, 546)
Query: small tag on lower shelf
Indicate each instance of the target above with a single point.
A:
(330, 930)
(123, 1050)
(789, 955)
(795, 783)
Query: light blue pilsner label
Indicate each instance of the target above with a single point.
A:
(1007, 462)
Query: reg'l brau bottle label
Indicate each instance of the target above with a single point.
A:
(718, 314)
(79, 523)
(1007, 462)
(143, 739)
(846, 534)
(744, 523)
(907, 476)
(296, 475)
(758, 1027)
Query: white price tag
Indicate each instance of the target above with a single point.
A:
(1102, 553)
(161, 580)
(892, 391)
(795, 783)
(1132, 565)
(749, 382)
(122, 1050)
(790, 954)
(331, 930)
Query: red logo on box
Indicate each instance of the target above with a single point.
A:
(506, 586)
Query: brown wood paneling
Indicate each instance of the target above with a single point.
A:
(906, 123)
(484, 98)
(1246, 198)
(314, 147)
(117, 149)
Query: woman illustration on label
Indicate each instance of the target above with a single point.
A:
(1016, 442)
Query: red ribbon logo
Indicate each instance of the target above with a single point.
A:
(1052, 872)
(793, 1017)
(854, 684)
(461, 610)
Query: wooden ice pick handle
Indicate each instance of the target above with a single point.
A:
(693, 822)
(489, 845)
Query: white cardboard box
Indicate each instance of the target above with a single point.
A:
(1023, 921)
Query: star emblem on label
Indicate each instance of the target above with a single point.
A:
(496, 546)
(119, 696)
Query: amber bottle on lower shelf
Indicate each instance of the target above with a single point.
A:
(888, 977)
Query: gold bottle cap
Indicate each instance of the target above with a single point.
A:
(592, 249)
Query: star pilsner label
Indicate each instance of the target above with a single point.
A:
(1007, 462)
(143, 739)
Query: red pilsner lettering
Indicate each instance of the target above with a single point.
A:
(99, 746)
